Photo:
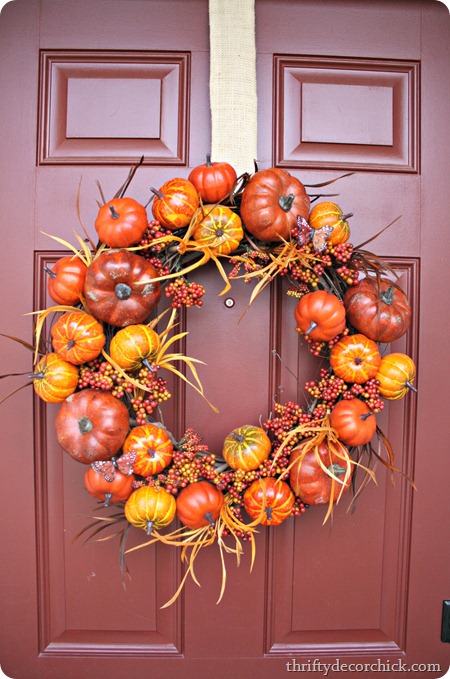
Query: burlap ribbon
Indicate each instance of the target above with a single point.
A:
(233, 83)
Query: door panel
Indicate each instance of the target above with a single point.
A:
(371, 585)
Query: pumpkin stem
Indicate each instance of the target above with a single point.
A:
(157, 193)
(208, 160)
(149, 527)
(36, 376)
(209, 518)
(347, 216)
(388, 296)
(114, 214)
(219, 233)
(336, 469)
(70, 344)
(410, 386)
(123, 291)
(237, 436)
(285, 202)
(49, 271)
(269, 512)
(84, 425)
(366, 415)
(311, 327)
(108, 497)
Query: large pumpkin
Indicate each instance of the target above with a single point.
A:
(150, 507)
(396, 375)
(66, 280)
(77, 337)
(54, 379)
(378, 308)
(121, 222)
(246, 447)
(175, 203)
(152, 447)
(133, 345)
(355, 358)
(91, 425)
(354, 422)
(218, 228)
(269, 500)
(320, 315)
(271, 203)
(308, 479)
(119, 288)
(199, 504)
(118, 489)
(213, 181)
(330, 215)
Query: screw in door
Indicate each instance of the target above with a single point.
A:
(229, 302)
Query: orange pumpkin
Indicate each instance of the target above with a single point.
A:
(175, 203)
(213, 181)
(152, 447)
(77, 337)
(395, 375)
(269, 500)
(54, 379)
(355, 358)
(199, 504)
(117, 489)
(218, 228)
(66, 280)
(320, 315)
(133, 345)
(330, 214)
(354, 422)
(246, 447)
(150, 507)
(121, 222)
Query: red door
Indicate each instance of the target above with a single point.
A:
(89, 87)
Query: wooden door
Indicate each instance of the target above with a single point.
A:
(343, 85)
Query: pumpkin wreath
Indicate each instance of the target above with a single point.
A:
(108, 349)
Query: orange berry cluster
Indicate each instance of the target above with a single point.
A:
(154, 232)
(184, 293)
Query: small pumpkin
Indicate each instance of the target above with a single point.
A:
(320, 315)
(378, 308)
(354, 422)
(65, 281)
(91, 425)
(218, 228)
(396, 375)
(134, 345)
(152, 447)
(118, 489)
(121, 222)
(308, 479)
(77, 337)
(355, 358)
(199, 504)
(330, 214)
(54, 379)
(213, 181)
(175, 203)
(150, 507)
(269, 500)
(271, 202)
(246, 447)
(119, 288)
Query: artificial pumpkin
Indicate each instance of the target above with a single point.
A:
(119, 288)
(271, 202)
(308, 478)
(77, 337)
(150, 507)
(270, 500)
(152, 447)
(133, 346)
(91, 425)
(378, 308)
(213, 181)
(355, 358)
(54, 379)
(320, 315)
(327, 214)
(117, 489)
(121, 222)
(218, 228)
(65, 281)
(175, 203)
(246, 447)
(199, 504)
(396, 375)
(354, 422)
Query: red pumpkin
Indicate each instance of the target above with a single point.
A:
(199, 504)
(77, 337)
(134, 345)
(310, 482)
(118, 489)
(330, 214)
(271, 203)
(119, 288)
(121, 222)
(213, 181)
(218, 228)
(175, 203)
(150, 507)
(246, 447)
(355, 358)
(91, 425)
(66, 280)
(396, 375)
(320, 315)
(269, 500)
(378, 309)
(152, 447)
(54, 379)
(354, 422)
